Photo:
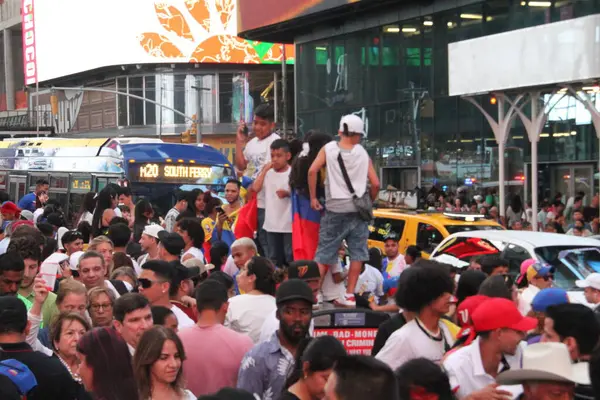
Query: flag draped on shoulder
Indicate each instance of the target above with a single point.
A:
(305, 227)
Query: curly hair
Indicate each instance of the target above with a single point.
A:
(26, 247)
(419, 286)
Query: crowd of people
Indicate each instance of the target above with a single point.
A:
(561, 214)
(131, 305)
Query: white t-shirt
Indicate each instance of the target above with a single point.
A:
(332, 291)
(465, 370)
(85, 216)
(257, 153)
(278, 212)
(370, 280)
(411, 341)
(247, 313)
(396, 266)
(356, 161)
(526, 298)
(183, 321)
(196, 253)
(271, 325)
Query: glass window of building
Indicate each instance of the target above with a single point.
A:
(136, 106)
(122, 102)
(150, 93)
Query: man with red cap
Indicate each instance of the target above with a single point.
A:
(500, 329)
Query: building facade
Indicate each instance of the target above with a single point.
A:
(388, 62)
(173, 63)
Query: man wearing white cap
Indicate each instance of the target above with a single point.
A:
(149, 242)
(348, 200)
(547, 373)
(591, 289)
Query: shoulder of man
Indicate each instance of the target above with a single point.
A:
(119, 286)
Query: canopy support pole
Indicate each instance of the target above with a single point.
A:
(500, 128)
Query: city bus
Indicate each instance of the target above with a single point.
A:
(153, 169)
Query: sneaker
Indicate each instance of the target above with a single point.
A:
(348, 300)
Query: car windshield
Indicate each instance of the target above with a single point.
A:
(570, 262)
(468, 228)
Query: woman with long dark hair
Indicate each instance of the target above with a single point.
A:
(86, 212)
(315, 359)
(305, 238)
(158, 366)
(196, 203)
(105, 365)
(108, 199)
(514, 212)
(142, 215)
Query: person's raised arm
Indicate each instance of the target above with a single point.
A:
(240, 142)
(260, 179)
(313, 172)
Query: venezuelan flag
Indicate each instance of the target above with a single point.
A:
(305, 227)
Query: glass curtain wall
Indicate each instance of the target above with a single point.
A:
(396, 78)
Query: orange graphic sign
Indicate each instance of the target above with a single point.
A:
(210, 19)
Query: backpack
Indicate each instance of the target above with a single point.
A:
(19, 374)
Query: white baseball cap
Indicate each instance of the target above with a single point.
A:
(592, 280)
(74, 260)
(354, 122)
(153, 230)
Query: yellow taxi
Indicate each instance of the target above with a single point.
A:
(425, 229)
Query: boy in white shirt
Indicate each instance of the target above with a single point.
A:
(275, 180)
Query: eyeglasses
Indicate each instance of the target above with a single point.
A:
(98, 307)
(147, 283)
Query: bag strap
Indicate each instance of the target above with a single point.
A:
(345, 175)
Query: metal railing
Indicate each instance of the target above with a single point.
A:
(25, 119)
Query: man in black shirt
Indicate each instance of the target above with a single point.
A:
(54, 381)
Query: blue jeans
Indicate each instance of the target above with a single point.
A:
(336, 227)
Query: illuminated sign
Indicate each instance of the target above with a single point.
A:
(29, 53)
(81, 184)
(177, 173)
(117, 32)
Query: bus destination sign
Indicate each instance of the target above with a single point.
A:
(152, 172)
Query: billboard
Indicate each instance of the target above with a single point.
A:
(276, 11)
(65, 37)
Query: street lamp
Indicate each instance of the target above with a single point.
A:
(198, 121)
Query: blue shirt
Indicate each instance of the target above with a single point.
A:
(265, 368)
(27, 202)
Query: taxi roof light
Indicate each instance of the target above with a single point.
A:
(464, 216)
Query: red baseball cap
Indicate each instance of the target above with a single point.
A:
(9, 206)
(498, 313)
(467, 308)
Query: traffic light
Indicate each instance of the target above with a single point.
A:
(493, 100)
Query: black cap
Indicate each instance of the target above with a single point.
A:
(12, 312)
(304, 269)
(294, 289)
(172, 242)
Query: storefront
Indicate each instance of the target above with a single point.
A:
(389, 64)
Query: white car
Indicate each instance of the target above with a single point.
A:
(572, 257)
